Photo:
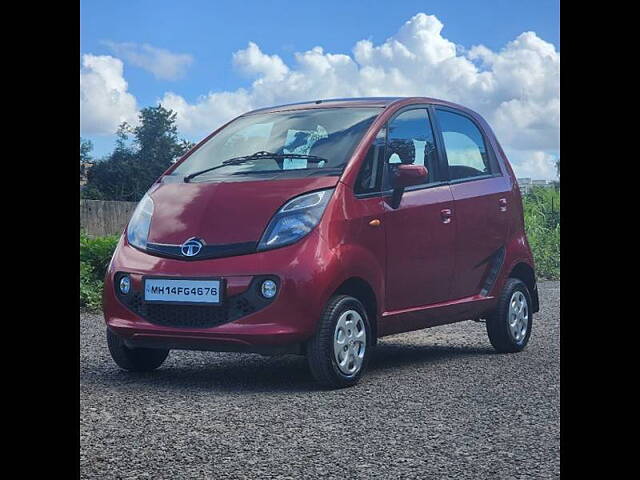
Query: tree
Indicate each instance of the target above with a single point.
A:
(558, 167)
(85, 156)
(133, 166)
(113, 178)
(85, 150)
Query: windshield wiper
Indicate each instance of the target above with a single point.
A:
(257, 155)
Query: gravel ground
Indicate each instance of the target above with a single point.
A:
(438, 403)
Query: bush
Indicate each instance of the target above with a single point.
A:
(95, 255)
(542, 222)
(90, 288)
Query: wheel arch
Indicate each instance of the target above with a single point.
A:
(523, 271)
(359, 288)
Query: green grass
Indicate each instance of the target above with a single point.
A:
(95, 255)
(542, 222)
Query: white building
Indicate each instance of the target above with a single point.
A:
(526, 184)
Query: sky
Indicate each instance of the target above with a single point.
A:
(211, 61)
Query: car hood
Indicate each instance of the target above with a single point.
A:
(223, 213)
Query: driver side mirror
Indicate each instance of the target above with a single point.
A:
(406, 175)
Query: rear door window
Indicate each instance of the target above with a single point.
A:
(464, 146)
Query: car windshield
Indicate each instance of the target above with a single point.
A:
(258, 144)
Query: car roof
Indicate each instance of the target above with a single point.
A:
(352, 102)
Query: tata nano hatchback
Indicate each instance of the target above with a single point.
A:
(317, 228)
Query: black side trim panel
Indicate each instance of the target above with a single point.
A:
(496, 265)
(208, 251)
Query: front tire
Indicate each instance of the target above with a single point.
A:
(509, 325)
(134, 359)
(339, 351)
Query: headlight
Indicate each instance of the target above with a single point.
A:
(138, 229)
(295, 219)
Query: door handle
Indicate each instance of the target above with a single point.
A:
(375, 222)
(445, 215)
(503, 204)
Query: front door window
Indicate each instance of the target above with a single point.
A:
(410, 141)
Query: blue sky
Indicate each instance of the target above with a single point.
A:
(193, 43)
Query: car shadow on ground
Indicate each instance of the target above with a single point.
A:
(257, 374)
(396, 356)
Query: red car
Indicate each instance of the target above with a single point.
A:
(317, 228)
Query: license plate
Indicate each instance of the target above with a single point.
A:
(183, 291)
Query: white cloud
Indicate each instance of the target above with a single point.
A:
(252, 61)
(209, 112)
(537, 165)
(162, 63)
(516, 88)
(104, 99)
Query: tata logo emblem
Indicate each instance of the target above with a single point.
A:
(191, 247)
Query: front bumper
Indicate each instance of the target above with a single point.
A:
(306, 274)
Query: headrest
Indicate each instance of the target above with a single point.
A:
(405, 149)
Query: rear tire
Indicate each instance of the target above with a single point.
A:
(134, 359)
(339, 351)
(509, 325)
